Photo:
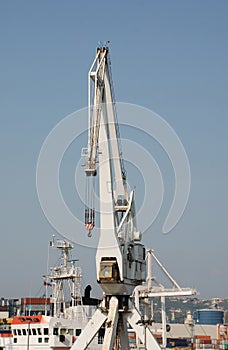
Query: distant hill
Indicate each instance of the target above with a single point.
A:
(176, 308)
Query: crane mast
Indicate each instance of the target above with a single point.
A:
(120, 258)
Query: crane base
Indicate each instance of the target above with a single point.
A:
(116, 320)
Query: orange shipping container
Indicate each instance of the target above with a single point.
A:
(202, 337)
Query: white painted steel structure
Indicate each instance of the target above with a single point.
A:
(120, 258)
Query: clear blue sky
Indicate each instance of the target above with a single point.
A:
(168, 56)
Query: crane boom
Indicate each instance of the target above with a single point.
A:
(100, 75)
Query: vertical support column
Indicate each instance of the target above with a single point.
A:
(136, 292)
(149, 268)
(123, 333)
(111, 325)
(149, 283)
(163, 322)
(108, 242)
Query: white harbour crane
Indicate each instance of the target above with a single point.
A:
(120, 257)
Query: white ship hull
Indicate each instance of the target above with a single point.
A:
(46, 332)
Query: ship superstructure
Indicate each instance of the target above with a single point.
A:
(59, 328)
(65, 279)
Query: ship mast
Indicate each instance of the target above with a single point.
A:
(65, 279)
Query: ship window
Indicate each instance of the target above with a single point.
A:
(77, 332)
(33, 331)
(29, 331)
(19, 331)
(55, 331)
(24, 331)
(39, 331)
(71, 331)
(39, 340)
(63, 331)
(15, 332)
(45, 331)
(46, 340)
(15, 340)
